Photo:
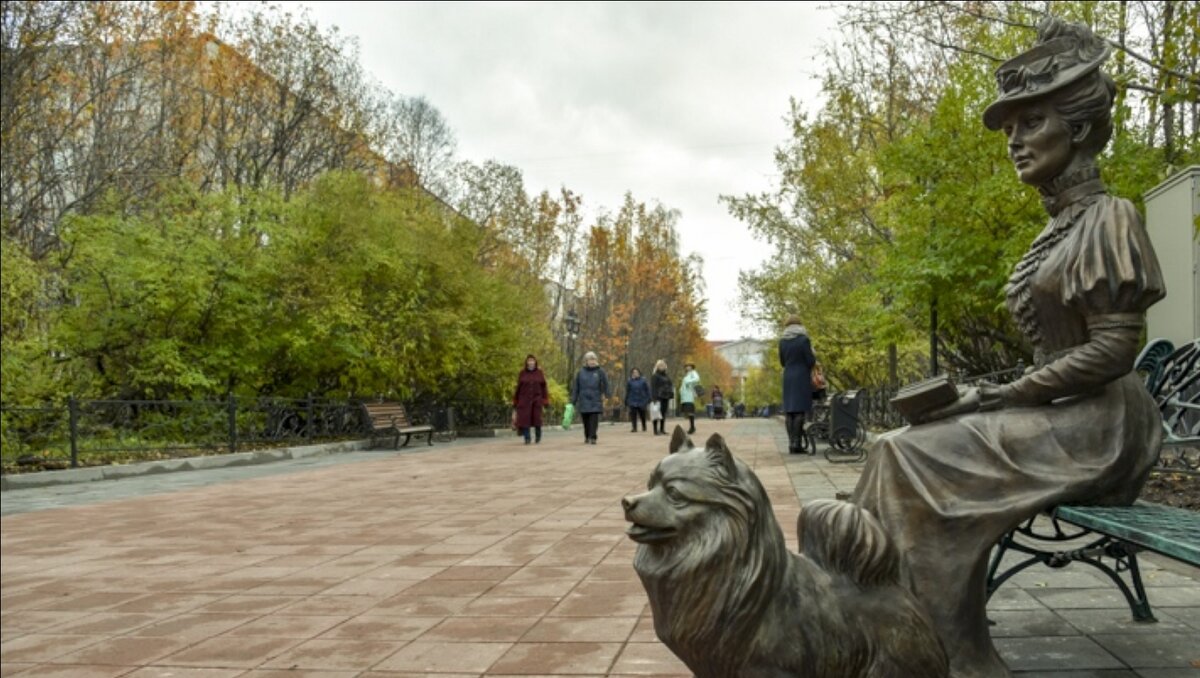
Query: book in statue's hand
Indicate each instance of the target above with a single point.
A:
(915, 400)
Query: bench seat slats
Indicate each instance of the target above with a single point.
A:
(1171, 531)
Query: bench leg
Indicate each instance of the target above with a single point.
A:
(1124, 557)
(406, 438)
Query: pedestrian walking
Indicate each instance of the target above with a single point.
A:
(529, 399)
(637, 398)
(588, 392)
(663, 391)
(689, 390)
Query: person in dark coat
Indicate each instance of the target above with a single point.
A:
(637, 398)
(588, 393)
(663, 390)
(797, 358)
(530, 397)
(718, 403)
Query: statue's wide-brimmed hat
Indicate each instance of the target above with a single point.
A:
(1064, 53)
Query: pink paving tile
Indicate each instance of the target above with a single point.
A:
(421, 606)
(644, 631)
(168, 603)
(550, 588)
(184, 672)
(231, 651)
(21, 622)
(578, 605)
(498, 606)
(194, 627)
(66, 671)
(281, 625)
(126, 651)
(75, 600)
(480, 629)
(449, 587)
(368, 586)
(577, 629)
(648, 659)
(442, 657)
(476, 573)
(417, 559)
(407, 675)
(406, 572)
(339, 654)
(614, 589)
(618, 572)
(300, 673)
(330, 605)
(249, 604)
(557, 658)
(38, 647)
(373, 627)
(294, 586)
(548, 573)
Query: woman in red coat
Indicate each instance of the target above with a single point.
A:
(531, 396)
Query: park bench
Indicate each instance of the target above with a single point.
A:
(390, 419)
(1118, 533)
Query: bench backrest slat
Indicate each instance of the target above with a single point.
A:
(387, 414)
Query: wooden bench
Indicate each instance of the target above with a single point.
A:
(1118, 533)
(388, 418)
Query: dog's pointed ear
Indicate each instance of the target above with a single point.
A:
(718, 453)
(680, 440)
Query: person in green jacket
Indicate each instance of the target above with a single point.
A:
(687, 395)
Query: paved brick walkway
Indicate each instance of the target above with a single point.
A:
(478, 558)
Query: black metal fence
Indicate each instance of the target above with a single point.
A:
(91, 432)
(96, 432)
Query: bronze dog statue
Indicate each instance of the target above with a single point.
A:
(731, 601)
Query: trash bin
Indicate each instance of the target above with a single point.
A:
(443, 419)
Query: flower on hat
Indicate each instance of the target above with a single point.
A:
(1063, 54)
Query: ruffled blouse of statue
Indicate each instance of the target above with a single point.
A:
(1091, 268)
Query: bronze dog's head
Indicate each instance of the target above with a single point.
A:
(697, 496)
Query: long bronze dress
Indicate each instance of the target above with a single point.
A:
(1078, 427)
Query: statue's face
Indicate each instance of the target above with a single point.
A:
(1039, 142)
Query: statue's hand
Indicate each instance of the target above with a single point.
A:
(968, 401)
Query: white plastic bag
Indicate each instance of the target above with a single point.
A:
(655, 411)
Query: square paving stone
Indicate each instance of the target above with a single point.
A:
(1017, 623)
(649, 659)
(1162, 650)
(1092, 622)
(557, 658)
(1062, 653)
(438, 657)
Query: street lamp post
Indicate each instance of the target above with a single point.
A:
(572, 321)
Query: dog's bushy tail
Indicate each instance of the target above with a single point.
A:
(844, 538)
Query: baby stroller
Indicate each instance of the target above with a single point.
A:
(837, 424)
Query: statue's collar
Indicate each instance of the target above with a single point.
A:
(1069, 188)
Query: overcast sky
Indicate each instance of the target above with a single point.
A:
(677, 102)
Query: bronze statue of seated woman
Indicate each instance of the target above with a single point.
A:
(1078, 426)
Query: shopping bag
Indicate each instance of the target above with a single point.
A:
(568, 415)
(818, 378)
(655, 411)
(514, 419)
